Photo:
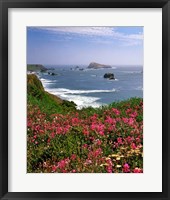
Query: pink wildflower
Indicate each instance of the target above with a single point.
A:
(73, 156)
(133, 115)
(116, 111)
(137, 170)
(133, 146)
(101, 133)
(119, 140)
(109, 169)
(99, 142)
(85, 132)
(126, 168)
(85, 146)
(131, 121)
(54, 168)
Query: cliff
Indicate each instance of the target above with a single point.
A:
(36, 68)
(38, 96)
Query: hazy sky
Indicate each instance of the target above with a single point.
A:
(82, 45)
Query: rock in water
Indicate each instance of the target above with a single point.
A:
(109, 76)
(51, 73)
(94, 65)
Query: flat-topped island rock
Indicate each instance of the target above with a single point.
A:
(94, 65)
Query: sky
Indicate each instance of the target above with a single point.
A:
(67, 45)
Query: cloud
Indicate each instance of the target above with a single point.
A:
(80, 30)
(100, 32)
(131, 43)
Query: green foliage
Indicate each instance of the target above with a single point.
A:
(46, 104)
(123, 105)
(34, 86)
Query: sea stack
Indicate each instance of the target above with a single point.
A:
(94, 65)
(110, 76)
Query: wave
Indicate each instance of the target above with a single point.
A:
(75, 95)
(139, 88)
(47, 80)
(132, 72)
(93, 69)
(82, 101)
(113, 79)
(59, 91)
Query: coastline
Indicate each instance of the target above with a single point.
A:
(89, 88)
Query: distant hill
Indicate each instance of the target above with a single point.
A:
(36, 67)
(94, 65)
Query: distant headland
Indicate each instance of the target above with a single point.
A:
(36, 68)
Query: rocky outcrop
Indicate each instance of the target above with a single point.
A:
(52, 73)
(109, 76)
(94, 65)
(36, 68)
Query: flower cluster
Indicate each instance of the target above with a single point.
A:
(108, 141)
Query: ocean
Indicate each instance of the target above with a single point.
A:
(88, 87)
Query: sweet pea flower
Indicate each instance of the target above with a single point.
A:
(133, 146)
(126, 168)
(137, 170)
(54, 168)
(73, 156)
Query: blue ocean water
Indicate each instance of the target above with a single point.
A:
(87, 87)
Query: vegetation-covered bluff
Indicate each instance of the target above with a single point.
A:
(36, 68)
(37, 96)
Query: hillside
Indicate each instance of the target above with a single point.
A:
(47, 102)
